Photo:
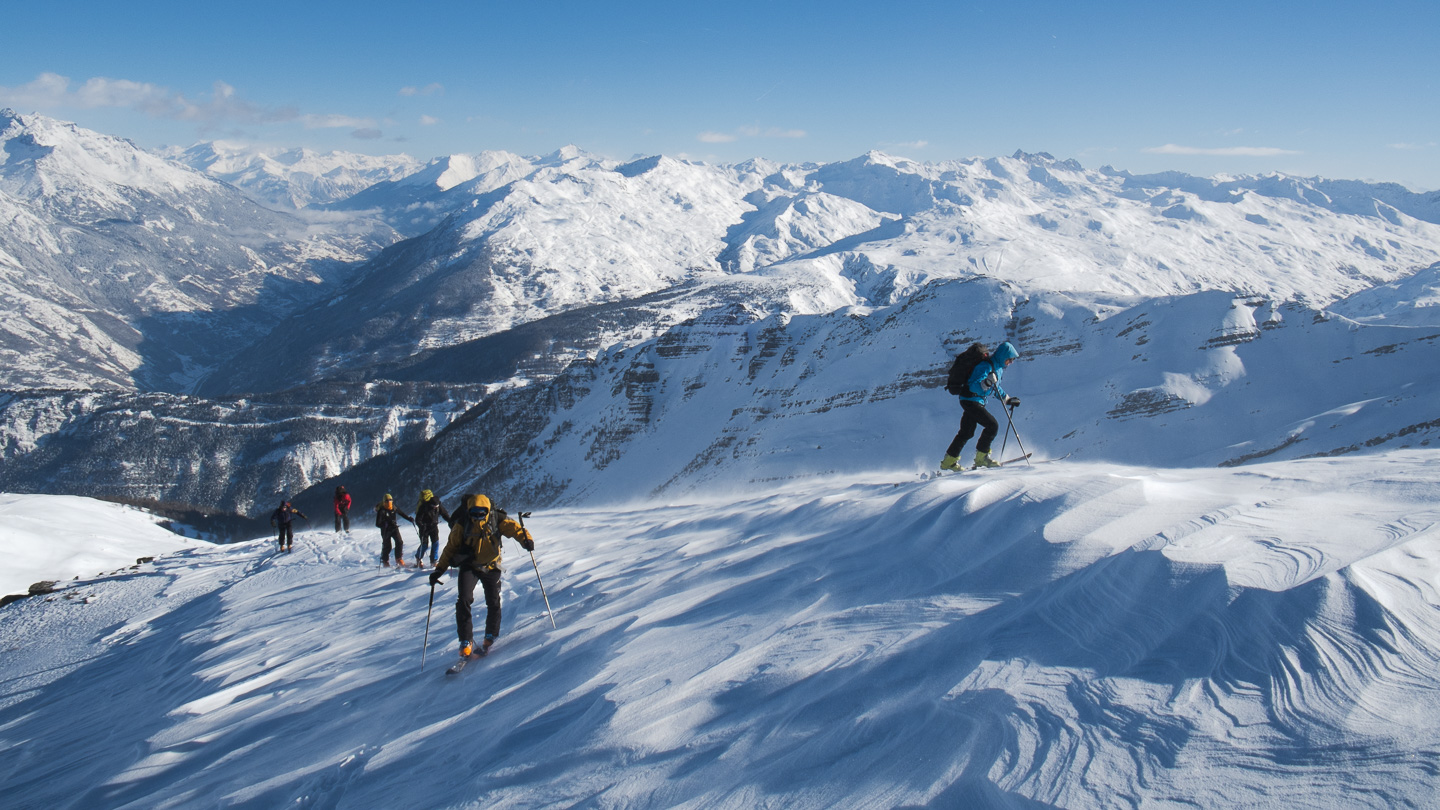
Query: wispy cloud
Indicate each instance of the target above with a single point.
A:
(1410, 146)
(51, 90)
(222, 107)
(332, 121)
(772, 132)
(1224, 151)
(428, 120)
(428, 90)
(710, 136)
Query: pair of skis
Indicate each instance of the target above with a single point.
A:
(958, 470)
(465, 661)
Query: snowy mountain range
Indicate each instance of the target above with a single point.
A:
(122, 270)
(1213, 583)
(567, 296)
(291, 179)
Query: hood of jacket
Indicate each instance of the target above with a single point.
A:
(1004, 352)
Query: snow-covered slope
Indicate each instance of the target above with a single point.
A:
(1078, 635)
(291, 179)
(738, 399)
(119, 269)
(60, 537)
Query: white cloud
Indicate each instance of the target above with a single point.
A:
(772, 132)
(1410, 146)
(1225, 151)
(333, 121)
(51, 90)
(429, 120)
(48, 90)
(750, 132)
(428, 90)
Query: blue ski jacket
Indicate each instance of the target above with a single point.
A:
(986, 376)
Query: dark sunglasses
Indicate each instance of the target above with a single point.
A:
(479, 512)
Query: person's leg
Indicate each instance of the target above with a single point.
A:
(384, 546)
(968, 421)
(463, 601)
(989, 428)
(490, 578)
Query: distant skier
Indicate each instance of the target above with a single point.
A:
(973, 386)
(281, 518)
(474, 549)
(386, 519)
(342, 509)
(427, 523)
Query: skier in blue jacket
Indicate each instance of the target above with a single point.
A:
(984, 381)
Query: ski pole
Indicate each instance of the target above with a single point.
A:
(548, 611)
(425, 645)
(1021, 444)
(1006, 439)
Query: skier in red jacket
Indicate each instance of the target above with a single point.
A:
(342, 509)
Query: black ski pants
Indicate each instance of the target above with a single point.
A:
(490, 579)
(974, 414)
(342, 518)
(388, 534)
(429, 536)
(287, 535)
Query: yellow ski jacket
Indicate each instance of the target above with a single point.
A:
(476, 544)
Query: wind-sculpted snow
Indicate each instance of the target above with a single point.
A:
(1073, 635)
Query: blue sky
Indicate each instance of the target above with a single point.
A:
(1342, 90)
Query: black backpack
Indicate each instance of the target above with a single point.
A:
(475, 535)
(963, 367)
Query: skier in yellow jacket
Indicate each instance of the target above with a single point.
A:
(474, 549)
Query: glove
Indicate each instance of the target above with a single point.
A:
(435, 577)
(526, 542)
(1013, 402)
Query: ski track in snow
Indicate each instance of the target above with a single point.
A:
(1072, 635)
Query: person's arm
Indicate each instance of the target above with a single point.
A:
(510, 528)
(452, 546)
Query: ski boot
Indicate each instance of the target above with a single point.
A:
(467, 649)
(485, 647)
(950, 463)
(982, 459)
